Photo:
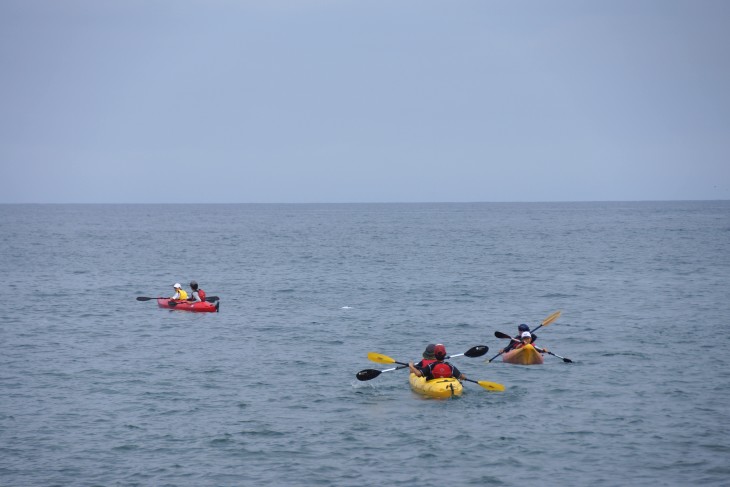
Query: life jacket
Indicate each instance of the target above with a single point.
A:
(441, 371)
(522, 345)
(183, 295)
(201, 294)
(534, 338)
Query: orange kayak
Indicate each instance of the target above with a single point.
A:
(526, 355)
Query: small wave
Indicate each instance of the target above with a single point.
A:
(356, 384)
(268, 432)
(126, 448)
(558, 295)
(227, 438)
(717, 448)
(624, 354)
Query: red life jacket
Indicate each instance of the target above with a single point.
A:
(425, 363)
(442, 371)
(201, 294)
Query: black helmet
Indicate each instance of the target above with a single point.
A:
(193, 285)
(523, 327)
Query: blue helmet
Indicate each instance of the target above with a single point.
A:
(523, 327)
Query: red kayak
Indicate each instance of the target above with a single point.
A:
(199, 307)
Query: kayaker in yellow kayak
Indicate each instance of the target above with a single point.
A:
(439, 368)
(428, 357)
(180, 293)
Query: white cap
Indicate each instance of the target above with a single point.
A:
(177, 285)
(526, 334)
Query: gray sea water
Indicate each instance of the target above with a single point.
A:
(97, 388)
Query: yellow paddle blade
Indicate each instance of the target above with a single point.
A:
(380, 358)
(491, 386)
(551, 318)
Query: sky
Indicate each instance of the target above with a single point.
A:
(329, 101)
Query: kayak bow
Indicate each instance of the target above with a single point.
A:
(526, 355)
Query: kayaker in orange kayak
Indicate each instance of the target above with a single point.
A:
(439, 368)
(523, 353)
(527, 339)
(520, 330)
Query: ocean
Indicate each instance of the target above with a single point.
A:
(99, 389)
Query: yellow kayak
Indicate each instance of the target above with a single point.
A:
(442, 388)
(526, 355)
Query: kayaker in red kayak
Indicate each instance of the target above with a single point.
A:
(180, 293)
(520, 330)
(198, 294)
(438, 369)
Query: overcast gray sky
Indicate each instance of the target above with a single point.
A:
(215, 101)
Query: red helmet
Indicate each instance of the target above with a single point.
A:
(439, 351)
(441, 371)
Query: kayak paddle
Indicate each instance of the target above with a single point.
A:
(500, 334)
(490, 386)
(473, 352)
(476, 351)
(545, 322)
(369, 374)
(210, 299)
(383, 359)
(566, 360)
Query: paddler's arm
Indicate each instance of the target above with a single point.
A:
(414, 370)
(510, 346)
(457, 373)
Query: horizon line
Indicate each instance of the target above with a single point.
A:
(366, 202)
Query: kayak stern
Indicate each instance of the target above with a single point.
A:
(438, 388)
